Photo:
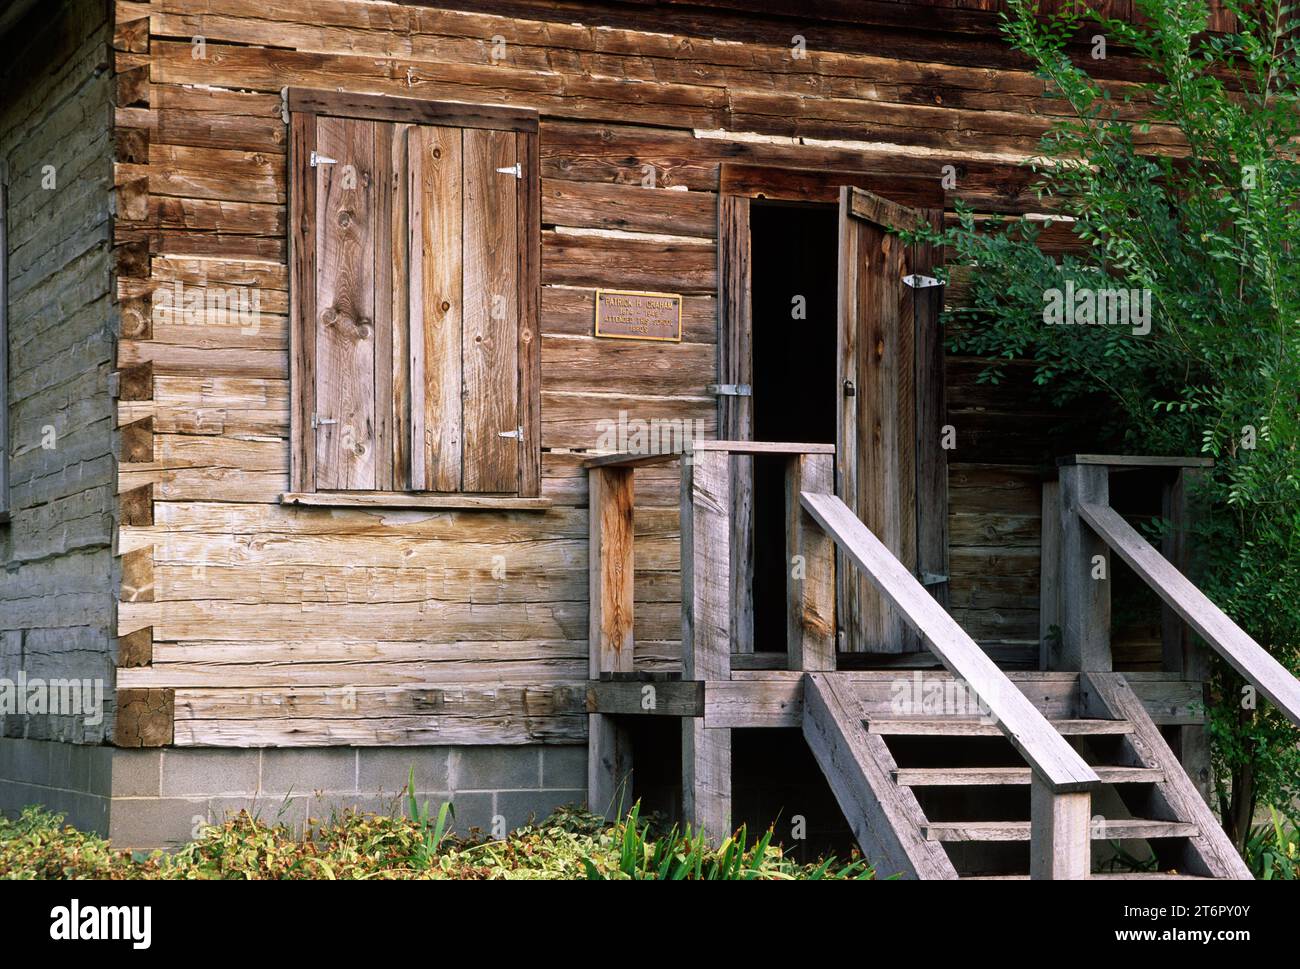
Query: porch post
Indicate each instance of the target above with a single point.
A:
(706, 634)
(1084, 573)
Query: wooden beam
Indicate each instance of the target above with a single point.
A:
(1084, 574)
(1021, 722)
(1060, 842)
(884, 817)
(1210, 622)
(706, 634)
(1049, 571)
(1133, 461)
(406, 499)
(763, 447)
(135, 648)
(610, 569)
(137, 441)
(347, 104)
(144, 718)
(809, 567)
(137, 575)
(672, 698)
(629, 460)
(136, 506)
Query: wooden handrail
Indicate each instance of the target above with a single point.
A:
(1213, 625)
(1059, 766)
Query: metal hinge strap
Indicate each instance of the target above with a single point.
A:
(731, 390)
(917, 281)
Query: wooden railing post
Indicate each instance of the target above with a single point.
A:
(809, 567)
(1060, 836)
(706, 633)
(610, 640)
(1084, 573)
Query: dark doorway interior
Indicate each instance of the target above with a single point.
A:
(794, 248)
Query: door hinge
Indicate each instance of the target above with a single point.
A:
(318, 159)
(731, 390)
(917, 281)
(517, 170)
(517, 433)
(317, 421)
(933, 578)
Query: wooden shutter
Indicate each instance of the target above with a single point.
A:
(416, 238)
(471, 326)
(891, 465)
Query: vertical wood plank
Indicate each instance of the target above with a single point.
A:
(383, 287)
(302, 287)
(1049, 570)
(435, 159)
(489, 344)
(345, 321)
(848, 315)
(530, 351)
(706, 628)
(1085, 601)
(809, 567)
(736, 413)
(402, 288)
(611, 570)
(1060, 839)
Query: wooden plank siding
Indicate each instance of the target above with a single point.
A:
(481, 617)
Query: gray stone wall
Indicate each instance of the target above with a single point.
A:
(161, 798)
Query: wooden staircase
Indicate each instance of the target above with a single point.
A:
(905, 784)
(1048, 775)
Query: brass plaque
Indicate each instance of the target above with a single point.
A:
(624, 315)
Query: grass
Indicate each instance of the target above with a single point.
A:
(570, 844)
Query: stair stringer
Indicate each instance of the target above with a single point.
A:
(886, 819)
(1210, 853)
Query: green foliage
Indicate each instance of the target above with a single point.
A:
(571, 844)
(680, 856)
(1184, 186)
(1273, 850)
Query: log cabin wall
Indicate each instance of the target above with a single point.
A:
(271, 625)
(57, 590)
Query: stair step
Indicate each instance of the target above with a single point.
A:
(1171, 876)
(1117, 829)
(954, 727)
(973, 776)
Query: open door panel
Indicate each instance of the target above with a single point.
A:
(890, 466)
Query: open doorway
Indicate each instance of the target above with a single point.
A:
(794, 251)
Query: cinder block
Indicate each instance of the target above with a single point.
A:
(101, 770)
(496, 768)
(386, 769)
(305, 770)
(564, 767)
(471, 810)
(199, 771)
(137, 773)
(87, 812)
(31, 761)
(149, 822)
(522, 807)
